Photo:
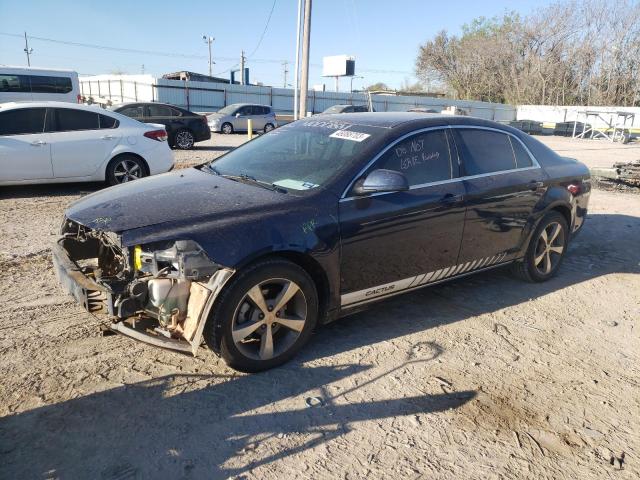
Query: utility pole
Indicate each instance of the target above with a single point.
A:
(27, 50)
(304, 77)
(242, 68)
(296, 86)
(142, 69)
(284, 64)
(354, 76)
(209, 40)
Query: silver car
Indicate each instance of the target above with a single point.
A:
(233, 118)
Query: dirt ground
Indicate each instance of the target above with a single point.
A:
(486, 377)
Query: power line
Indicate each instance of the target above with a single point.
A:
(264, 31)
(183, 55)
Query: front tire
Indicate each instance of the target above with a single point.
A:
(184, 139)
(264, 316)
(546, 250)
(125, 168)
(226, 128)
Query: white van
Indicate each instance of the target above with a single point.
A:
(19, 84)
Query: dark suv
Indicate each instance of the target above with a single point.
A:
(183, 127)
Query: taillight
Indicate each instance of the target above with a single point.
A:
(574, 188)
(159, 135)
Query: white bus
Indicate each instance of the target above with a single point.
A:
(19, 84)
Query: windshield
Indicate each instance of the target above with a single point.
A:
(334, 109)
(228, 110)
(301, 156)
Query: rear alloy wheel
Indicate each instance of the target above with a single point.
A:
(265, 316)
(125, 169)
(227, 128)
(268, 127)
(184, 140)
(546, 250)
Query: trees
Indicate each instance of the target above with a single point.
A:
(568, 53)
(377, 87)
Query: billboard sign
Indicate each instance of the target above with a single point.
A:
(338, 66)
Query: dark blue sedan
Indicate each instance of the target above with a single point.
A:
(313, 221)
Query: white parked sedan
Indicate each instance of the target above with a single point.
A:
(54, 142)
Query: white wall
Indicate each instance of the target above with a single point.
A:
(553, 114)
(209, 97)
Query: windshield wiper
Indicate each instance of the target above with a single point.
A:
(245, 178)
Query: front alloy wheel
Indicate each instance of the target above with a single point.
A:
(263, 316)
(269, 319)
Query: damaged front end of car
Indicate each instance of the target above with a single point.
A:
(159, 293)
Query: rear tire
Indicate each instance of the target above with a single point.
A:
(264, 316)
(546, 250)
(226, 128)
(184, 139)
(268, 127)
(125, 168)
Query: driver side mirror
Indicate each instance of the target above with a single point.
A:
(382, 180)
(238, 115)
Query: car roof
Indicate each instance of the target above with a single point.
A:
(51, 104)
(412, 119)
(247, 104)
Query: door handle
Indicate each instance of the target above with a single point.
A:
(38, 143)
(535, 184)
(107, 137)
(451, 198)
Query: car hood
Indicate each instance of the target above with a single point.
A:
(175, 196)
(215, 116)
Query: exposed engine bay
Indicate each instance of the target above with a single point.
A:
(159, 293)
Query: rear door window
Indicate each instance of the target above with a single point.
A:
(50, 84)
(159, 111)
(22, 121)
(485, 151)
(422, 158)
(132, 111)
(68, 119)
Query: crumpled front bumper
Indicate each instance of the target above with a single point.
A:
(87, 292)
(98, 300)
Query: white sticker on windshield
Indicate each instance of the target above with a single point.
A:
(295, 184)
(349, 135)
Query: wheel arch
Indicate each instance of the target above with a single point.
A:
(309, 265)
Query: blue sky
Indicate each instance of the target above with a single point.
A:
(383, 36)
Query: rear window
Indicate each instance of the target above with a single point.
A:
(68, 119)
(50, 84)
(22, 121)
(485, 151)
(523, 159)
(108, 122)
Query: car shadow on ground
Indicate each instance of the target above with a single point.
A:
(202, 425)
(212, 148)
(192, 425)
(50, 190)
